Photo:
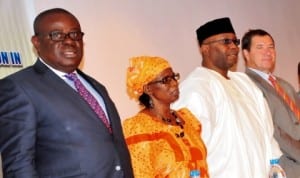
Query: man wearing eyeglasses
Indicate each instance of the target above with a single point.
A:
(56, 121)
(259, 53)
(236, 123)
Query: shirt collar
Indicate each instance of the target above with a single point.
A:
(57, 72)
(262, 74)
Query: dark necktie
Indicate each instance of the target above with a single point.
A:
(285, 97)
(90, 99)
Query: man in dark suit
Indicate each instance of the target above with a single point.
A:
(260, 55)
(46, 128)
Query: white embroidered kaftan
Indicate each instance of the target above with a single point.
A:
(237, 126)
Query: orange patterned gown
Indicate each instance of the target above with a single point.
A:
(156, 151)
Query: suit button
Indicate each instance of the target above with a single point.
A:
(118, 168)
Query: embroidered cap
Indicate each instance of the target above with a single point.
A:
(214, 27)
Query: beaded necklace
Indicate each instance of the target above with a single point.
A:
(177, 121)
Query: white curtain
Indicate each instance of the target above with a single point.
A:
(16, 18)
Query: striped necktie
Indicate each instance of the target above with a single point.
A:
(280, 91)
(90, 99)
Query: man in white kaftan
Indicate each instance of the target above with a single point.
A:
(236, 122)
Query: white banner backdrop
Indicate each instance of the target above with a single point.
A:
(16, 51)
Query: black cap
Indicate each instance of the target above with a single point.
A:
(214, 27)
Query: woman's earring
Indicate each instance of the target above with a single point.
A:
(151, 103)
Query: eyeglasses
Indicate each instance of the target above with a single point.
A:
(225, 41)
(60, 36)
(167, 79)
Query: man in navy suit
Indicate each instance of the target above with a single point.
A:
(46, 128)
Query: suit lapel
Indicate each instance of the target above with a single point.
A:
(52, 80)
(58, 85)
(111, 109)
(109, 105)
(263, 83)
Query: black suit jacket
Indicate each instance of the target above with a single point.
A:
(48, 131)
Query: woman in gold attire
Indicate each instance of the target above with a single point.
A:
(162, 142)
